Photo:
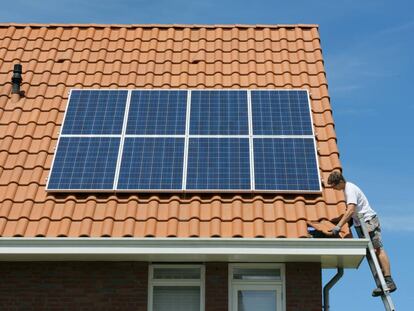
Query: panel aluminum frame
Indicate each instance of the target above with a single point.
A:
(187, 137)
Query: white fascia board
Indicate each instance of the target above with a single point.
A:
(331, 253)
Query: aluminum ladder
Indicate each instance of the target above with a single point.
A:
(375, 266)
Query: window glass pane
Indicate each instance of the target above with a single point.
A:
(256, 274)
(180, 298)
(254, 300)
(177, 273)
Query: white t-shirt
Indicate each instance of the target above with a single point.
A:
(354, 195)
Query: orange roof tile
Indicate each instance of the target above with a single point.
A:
(59, 57)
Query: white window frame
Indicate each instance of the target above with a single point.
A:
(278, 285)
(175, 282)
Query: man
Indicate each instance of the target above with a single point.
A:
(357, 203)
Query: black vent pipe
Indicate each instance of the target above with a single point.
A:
(17, 79)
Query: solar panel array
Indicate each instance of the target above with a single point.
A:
(186, 140)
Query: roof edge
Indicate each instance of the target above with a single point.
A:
(39, 25)
(331, 253)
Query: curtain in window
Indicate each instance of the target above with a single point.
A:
(180, 298)
(255, 300)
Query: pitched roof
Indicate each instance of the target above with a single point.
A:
(56, 58)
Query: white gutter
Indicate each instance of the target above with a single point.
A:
(331, 253)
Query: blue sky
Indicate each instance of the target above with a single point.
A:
(368, 48)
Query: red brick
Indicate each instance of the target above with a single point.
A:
(303, 286)
(82, 286)
(123, 286)
(216, 285)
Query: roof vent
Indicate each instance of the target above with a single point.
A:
(17, 79)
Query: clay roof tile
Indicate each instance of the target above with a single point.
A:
(58, 57)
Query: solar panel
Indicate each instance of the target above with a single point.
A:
(152, 163)
(285, 164)
(157, 112)
(281, 112)
(186, 140)
(219, 113)
(95, 112)
(218, 163)
(85, 163)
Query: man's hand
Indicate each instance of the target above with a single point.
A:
(336, 230)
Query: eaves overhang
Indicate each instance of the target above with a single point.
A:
(331, 253)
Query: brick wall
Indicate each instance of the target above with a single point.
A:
(73, 286)
(303, 287)
(123, 286)
(216, 286)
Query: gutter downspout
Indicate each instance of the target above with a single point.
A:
(328, 287)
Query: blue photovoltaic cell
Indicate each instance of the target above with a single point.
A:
(95, 112)
(285, 164)
(152, 163)
(84, 163)
(157, 112)
(219, 113)
(218, 163)
(281, 113)
(155, 160)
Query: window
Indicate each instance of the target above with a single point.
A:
(255, 287)
(176, 287)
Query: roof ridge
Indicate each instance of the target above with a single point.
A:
(160, 25)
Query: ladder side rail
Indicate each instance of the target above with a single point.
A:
(373, 256)
(369, 257)
(386, 297)
(387, 301)
(375, 267)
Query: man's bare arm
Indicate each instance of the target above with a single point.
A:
(350, 209)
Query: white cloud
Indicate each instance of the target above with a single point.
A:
(396, 29)
(398, 222)
(368, 59)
